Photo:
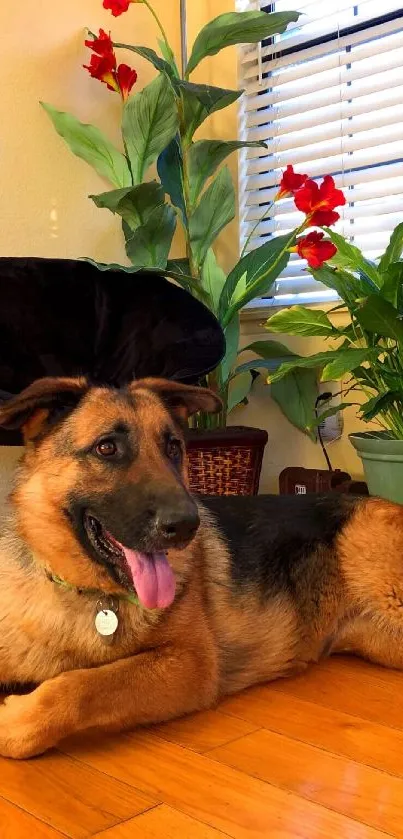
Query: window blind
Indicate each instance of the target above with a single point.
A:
(327, 97)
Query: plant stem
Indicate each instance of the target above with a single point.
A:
(214, 382)
(186, 192)
(128, 158)
(159, 24)
(184, 153)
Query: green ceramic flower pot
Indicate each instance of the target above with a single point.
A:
(382, 458)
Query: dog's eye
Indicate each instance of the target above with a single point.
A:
(174, 449)
(106, 448)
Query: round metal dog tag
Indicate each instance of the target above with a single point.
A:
(106, 622)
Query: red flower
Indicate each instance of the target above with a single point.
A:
(290, 182)
(103, 67)
(117, 7)
(323, 218)
(315, 249)
(126, 78)
(102, 44)
(318, 202)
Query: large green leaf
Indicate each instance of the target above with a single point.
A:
(150, 122)
(334, 363)
(181, 266)
(270, 355)
(150, 55)
(376, 405)
(261, 364)
(390, 378)
(256, 272)
(348, 286)
(377, 315)
(169, 56)
(214, 211)
(204, 158)
(346, 362)
(150, 244)
(392, 289)
(239, 389)
(394, 250)
(112, 266)
(300, 320)
(88, 142)
(363, 375)
(350, 257)
(296, 395)
(172, 270)
(237, 28)
(201, 100)
(179, 270)
(134, 204)
(232, 343)
(127, 230)
(169, 167)
(212, 279)
(268, 349)
(317, 361)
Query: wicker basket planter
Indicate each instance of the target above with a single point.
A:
(225, 461)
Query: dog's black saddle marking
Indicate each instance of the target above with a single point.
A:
(272, 538)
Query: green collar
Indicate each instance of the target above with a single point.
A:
(92, 592)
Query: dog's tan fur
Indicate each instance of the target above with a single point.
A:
(212, 641)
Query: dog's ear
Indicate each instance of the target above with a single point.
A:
(182, 400)
(33, 407)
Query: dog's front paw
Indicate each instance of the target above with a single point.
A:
(22, 733)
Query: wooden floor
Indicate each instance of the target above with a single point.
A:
(319, 756)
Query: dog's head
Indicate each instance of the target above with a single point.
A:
(102, 492)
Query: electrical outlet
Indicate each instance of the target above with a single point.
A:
(332, 427)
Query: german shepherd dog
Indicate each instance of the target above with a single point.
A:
(125, 602)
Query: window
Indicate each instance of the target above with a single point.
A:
(326, 96)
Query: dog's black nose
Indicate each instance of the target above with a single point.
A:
(177, 525)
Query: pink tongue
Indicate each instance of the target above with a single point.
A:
(153, 578)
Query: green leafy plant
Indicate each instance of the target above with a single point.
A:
(194, 188)
(368, 352)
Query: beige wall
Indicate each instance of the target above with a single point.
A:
(45, 209)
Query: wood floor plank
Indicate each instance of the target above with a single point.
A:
(15, 824)
(68, 795)
(161, 823)
(204, 731)
(353, 687)
(224, 798)
(355, 738)
(354, 664)
(354, 790)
